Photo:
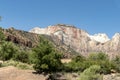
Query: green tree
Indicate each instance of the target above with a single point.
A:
(116, 62)
(77, 64)
(98, 56)
(91, 73)
(106, 66)
(7, 50)
(46, 58)
(21, 56)
(102, 60)
(2, 36)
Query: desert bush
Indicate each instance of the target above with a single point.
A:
(76, 64)
(81, 63)
(24, 66)
(21, 56)
(16, 64)
(102, 59)
(98, 56)
(91, 73)
(10, 63)
(7, 50)
(116, 62)
(79, 58)
(2, 36)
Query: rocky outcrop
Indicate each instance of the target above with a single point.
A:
(68, 35)
(80, 41)
(100, 37)
(22, 38)
(27, 40)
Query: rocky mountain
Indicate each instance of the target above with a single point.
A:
(23, 38)
(67, 39)
(26, 40)
(80, 41)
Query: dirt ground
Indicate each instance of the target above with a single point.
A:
(12, 73)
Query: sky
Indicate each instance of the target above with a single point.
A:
(93, 16)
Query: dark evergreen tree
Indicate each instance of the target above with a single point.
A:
(46, 58)
(7, 50)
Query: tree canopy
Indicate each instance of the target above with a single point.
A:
(46, 57)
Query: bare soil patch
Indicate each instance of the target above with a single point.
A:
(13, 73)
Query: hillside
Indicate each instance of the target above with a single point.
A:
(27, 40)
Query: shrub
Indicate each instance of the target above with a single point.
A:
(116, 62)
(98, 56)
(79, 58)
(2, 36)
(23, 66)
(7, 50)
(81, 63)
(17, 64)
(91, 73)
(10, 63)
(102, 60)
(21, 56)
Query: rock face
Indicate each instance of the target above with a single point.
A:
(26, 40)
(22, 38)
(100, 37)
(68, 35)
(80, 40)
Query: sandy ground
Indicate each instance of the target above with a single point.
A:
(12, 73)
(66, 60)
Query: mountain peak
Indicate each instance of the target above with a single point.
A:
(100, 37)
(38, 30)
(79, 40)
(116, 35)
(65, 25)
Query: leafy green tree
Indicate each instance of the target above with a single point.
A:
(98, 56)
(81, 63)
(46, 58)
(91, 73)
(116, 62)
(21, 56)
(2, 36)
(76, 64)
(7, 50)
(106, 66)
(102, 60)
